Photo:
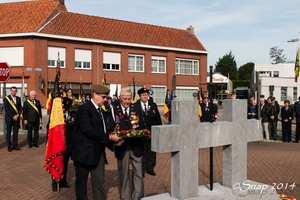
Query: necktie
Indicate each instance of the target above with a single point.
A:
(125, 113)
(145, 108)
(101, 115)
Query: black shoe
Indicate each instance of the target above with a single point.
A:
(65, 185)
(16, 148)
(54, 188)
(152, 173)
(29, 146)
(9, 149)
(296, 141)
(35, 145)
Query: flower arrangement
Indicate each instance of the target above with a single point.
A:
(285, 197)
(132, 133)
(74, 106)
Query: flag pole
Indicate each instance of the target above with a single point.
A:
(211, 149)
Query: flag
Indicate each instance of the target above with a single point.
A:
(56, 134)
(104, 80)
(116, 92)
(65, 89)
(171, 98)
(199, 106)
(133, 96)
(80, 91)
(104, 105)
(166, 106)
(49, 102)
(297, 64)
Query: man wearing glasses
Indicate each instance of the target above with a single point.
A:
(90, 138)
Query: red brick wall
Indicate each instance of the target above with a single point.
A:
(36, 56)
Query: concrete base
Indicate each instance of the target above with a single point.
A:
(246, 190)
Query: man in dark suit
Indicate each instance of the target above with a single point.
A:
(207, 114)
(297, 112)
(32, 116)
(13, 109)
(124, 117)
(90, 137)
(152, 117)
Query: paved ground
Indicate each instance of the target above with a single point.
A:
(23, 176)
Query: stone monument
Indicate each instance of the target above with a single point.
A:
(186, 135)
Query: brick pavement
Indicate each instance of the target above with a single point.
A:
(23, 176)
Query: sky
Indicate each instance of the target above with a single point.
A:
(246, 28)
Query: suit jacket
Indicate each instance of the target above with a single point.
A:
(274, 111)
(297, 111)
(206, 114)
(136, 144)
(152, 116)
(286, 114)
(9, 110)
(30, 114)
(264, 113)
(89, 138)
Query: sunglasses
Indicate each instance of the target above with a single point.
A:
(104, 96)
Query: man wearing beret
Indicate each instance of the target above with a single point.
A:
(124, 116)
(90, 137)
(152, 117)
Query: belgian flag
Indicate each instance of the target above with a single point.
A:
(56, 134)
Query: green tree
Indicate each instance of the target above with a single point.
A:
(227, 64)
(277, 55)
(245, 71)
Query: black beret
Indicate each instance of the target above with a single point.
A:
(143, 90)
(100, 89)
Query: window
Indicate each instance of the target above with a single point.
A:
(283, 93)
(159, 94)
(183, 93)
(136, 63)
(295, 94)
(158, 64)
(184, 66)
(83, 59)
(276, 73)
(111, 61)
(137, 87)
(53, 56)
(14, 56)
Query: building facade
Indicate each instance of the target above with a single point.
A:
(92, 48)
(279, 81)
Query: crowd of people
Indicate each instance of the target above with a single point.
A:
(92, 127)
(271, 113)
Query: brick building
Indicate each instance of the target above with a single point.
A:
(33, 32)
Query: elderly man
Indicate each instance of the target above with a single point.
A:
(152, 117)
(90, 138)
(32, 116)
(123, 117)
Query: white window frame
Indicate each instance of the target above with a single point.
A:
(14, 56)
(158, 60)
(83, 57)
(194, 69)
(181, 97)
(135, 63)
(53, 56)
(112, 59)
(159, 100)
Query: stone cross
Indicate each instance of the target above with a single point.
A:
(186, 135)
